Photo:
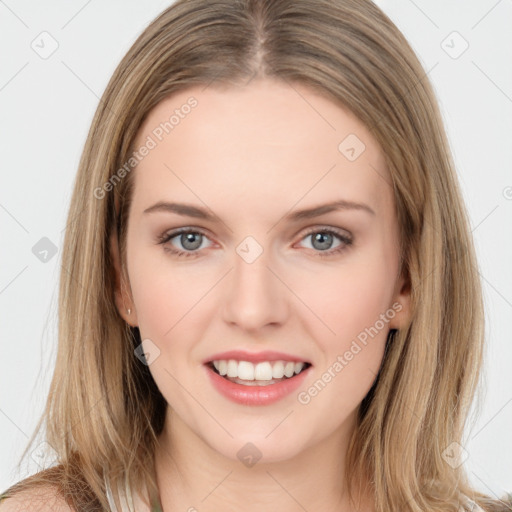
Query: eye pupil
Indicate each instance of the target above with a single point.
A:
(187, 240)
(325, 240)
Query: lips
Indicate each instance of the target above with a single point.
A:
(255, 394)
(256, 378)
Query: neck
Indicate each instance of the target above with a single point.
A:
(192, 476)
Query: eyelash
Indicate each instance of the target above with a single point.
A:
(167, 236)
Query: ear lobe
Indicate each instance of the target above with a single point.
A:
(123, 300)
(401, 303)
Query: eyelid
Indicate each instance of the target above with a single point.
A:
(171, 233)
(325, 227)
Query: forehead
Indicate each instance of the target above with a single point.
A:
(270, 139)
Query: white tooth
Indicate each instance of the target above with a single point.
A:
(263, 371)
(245, 370)
(232, 370)
(289, 369)
(278, 370)
(223, 367)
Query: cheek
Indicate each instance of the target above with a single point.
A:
(355, 306)
(356, 303)
(351, 298)
(163, 295)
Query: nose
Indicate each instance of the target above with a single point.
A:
(255, 296)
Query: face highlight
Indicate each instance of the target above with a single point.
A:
(263, 221)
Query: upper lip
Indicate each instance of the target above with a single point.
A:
(255, 357)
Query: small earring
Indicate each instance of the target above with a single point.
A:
(129, 311)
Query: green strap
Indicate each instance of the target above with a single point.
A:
(156, 506)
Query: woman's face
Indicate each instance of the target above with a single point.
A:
(253, 275)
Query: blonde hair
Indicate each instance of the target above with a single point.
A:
(104, 411)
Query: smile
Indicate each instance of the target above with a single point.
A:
(256, 384)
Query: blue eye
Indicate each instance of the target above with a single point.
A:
(322, 240)
(191, 241)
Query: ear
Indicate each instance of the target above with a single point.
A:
(123, 298)
(402, 302)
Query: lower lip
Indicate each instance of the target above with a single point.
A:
(256, 395)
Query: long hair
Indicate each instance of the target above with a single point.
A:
(104, 411)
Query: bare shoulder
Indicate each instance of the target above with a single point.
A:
(35, 500)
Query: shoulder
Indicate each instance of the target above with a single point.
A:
(35, 500)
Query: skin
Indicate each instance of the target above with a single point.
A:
(252, 154)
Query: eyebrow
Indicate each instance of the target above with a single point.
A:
(189, 210)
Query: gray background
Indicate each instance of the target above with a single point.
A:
(47, 105)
